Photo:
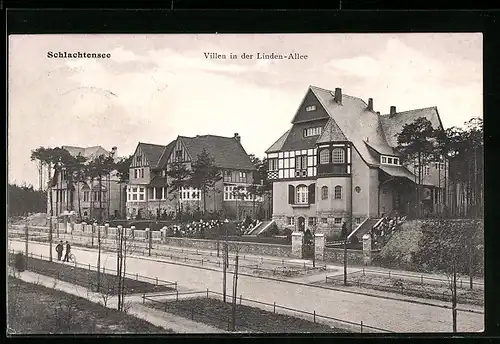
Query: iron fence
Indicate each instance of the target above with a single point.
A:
(306, 315)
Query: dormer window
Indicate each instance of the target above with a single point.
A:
(311, 108)
(389, 160)
(312, 131)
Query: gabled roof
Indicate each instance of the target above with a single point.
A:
(165, 154)
(331, 132)
(279, 143)
(226, 151)
(87, 152)
(152, 152)
(354, 120)
(393, 124)
(296, 139)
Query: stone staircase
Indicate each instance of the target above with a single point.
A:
(364, 228)
(260, 228)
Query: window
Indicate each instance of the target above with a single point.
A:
(310, 108)
(338, 156)
(190, 194)
(291, 221)
(324, 156)
(178, 154)
(312, 131)
(427, 170)
(243, 177)
(137, 194)
(311, 221)
(135, 173)
(384, 160)
(142, 173)
(324, 192)
(396, 161)
(86, 196)
(158, 193)
(358, 220)
(338, 192)
(389, 160)
(324, 220)
(301, 162)
(138, 159)
(338, 220)
(273, 164)
(301, 192)
(384, 191)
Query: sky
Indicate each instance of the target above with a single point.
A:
(156, 87)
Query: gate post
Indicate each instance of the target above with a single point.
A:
(319, 246)
(367, 249)
(297, 242)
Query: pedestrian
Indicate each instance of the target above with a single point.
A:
(59, 250)
(68, 251)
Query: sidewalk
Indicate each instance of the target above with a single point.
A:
(410, 275)
(137, 309)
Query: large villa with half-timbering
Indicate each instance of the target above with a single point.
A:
(339, 158)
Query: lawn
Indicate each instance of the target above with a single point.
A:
(35, 309)
(85, 277)
(216, 313)
(436, 291)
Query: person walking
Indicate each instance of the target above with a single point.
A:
(68, 251)
(59, 250)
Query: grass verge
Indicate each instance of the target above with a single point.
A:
(88, 278)
(35, 309)
(434, 291)
(216, 313)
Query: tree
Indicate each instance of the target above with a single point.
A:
(99, 167)
(180, 175)
(123, 172)
(204, 174)
(446, 247)
(75, 171)
(239, 193)
(415, 147)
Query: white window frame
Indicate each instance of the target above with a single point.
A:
(324, 156)
(314, 131)
(339, 222)
(394, 161)
(338, 188)
(310, 108)
(301, 194)
(336, 158)
(291, 220)
(136, 194)
(323, 194)
(190, 194)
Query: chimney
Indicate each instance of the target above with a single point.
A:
(113, 151)
(237, 137)
(370, 104)
(338, 95)
(378, 112)
(393, 110)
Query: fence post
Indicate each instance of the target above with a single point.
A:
(314, 314)
(389, 273)
(177, 297)
(422, 279)
(207, 293)
(460, 283)
(89, 267)
(192, 314)
(143, 299)
(201, 261)
(103, 270)
(136, 276)
(240, 300)
(228, 324)
(156, 280)
(363, 271)
(361, 326)
(274, 306)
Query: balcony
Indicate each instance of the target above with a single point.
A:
(332, 169)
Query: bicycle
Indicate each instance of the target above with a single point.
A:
(71, 258)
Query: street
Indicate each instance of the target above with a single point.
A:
(394, 315)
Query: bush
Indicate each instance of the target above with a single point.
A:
(20, 262)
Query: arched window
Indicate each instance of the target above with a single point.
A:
(324, 192)
(324, 156)
(338, 192)
(338, 156)
(301, 194)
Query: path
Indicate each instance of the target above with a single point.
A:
(153, 316)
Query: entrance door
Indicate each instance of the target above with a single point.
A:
(301, 222)
(308, 245)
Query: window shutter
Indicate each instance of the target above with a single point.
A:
(291, 194)
(312, 193)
